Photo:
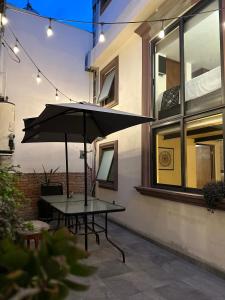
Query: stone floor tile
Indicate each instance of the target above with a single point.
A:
(121, 287)
(150, 272)
(112, 268)
(178, 290)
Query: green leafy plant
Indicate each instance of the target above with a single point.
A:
(213, 194)
(47, 175)
(11, 200)
(45, 273)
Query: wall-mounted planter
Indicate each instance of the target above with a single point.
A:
(51, 189)
(45, 211)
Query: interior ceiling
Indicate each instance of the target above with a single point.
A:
(197, 129)
(202, 47)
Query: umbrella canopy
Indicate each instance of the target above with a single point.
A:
(58, 119)
(77, 122)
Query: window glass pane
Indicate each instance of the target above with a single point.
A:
(105, 165)
(112, 172)
(167, 76)
(202, 60)
(204, 151)
(107, 86)
(168, 155)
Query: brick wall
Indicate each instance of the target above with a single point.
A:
(30, 184)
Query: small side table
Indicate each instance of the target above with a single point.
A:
(35, 234)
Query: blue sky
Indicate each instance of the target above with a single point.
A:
(66, 9)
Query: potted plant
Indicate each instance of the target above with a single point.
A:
(48, 188)
(213, 193)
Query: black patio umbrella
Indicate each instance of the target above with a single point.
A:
(80, 123)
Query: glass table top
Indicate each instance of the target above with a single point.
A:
(63, 198)
(75, 205)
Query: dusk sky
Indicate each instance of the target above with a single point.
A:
(66, 9)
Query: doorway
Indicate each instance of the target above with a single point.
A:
(205, 164)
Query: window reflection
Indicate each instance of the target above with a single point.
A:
(202, 60)
(167, 75)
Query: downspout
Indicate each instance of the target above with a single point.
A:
(2, 65)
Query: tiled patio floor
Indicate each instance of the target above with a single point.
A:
(149, 273)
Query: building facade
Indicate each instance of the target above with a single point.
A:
(157, 171)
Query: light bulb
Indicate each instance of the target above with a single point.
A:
(38, 78)
(56, 95)
(162, 34)
(49, 30)
(4, 20)
(101, 38)
(16, 49)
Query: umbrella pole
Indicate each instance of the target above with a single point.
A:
(67, 168)
(85, 158)
(85, 179)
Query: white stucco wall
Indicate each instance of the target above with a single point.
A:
(189, 229)
(61, 58)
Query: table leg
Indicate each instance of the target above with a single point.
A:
(36, 242)
(106, 235)
(58, 221)
(93, 229)
(86, 232)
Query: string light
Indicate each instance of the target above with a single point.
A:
(56, 95)
(102, 35)
(16, 48)
(116, 23)
(38, 78)
(162, 32)
(49, 30)
(40, 74)
(4, 20)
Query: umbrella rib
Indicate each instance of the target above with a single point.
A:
(96, 124)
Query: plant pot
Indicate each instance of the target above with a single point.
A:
(51, 189)
(45, 211)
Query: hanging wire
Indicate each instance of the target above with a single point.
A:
(34, 63)
(10, 50)
(111, 23)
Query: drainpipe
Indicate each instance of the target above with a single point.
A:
(2, 71)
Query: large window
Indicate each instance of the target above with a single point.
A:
(187, 149)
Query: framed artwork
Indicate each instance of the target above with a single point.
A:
(165, 158)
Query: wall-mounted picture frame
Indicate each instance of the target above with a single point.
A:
(165, 158)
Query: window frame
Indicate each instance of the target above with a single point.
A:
(104, 5)
(113, 65)
(183, 117)
(105, 184)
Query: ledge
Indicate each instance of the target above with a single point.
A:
(181, 197)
